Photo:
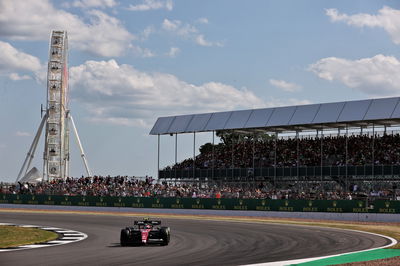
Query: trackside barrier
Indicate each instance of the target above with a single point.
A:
(335, 206)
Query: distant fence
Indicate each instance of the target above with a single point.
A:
(337, 206)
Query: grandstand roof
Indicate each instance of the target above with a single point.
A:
(383, 111)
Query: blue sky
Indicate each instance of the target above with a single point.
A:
(133, 61)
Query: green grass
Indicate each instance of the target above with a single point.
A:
(355, 257)
(13, 236)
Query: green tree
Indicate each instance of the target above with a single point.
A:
(228, 136)
(206, 148)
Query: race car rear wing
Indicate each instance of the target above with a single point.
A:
(147, 222)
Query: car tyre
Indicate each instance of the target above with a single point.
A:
(124, 237)
(166, 235)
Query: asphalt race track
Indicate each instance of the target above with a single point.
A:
(193, 242)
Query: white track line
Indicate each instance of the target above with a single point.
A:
(59, 242)
(70, 238)
(28, 226)
(33, 246)
(51, 228)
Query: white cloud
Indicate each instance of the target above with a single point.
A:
(202, 21)
(147, 32)
(375, 76)
(121, 94)
(171, 25)
(143, 52)
(178, 27)
(13, 60)
(201, 41)
(105, 35)
(152, 5)
(187, 31)
(33, 20)
(22, 134)
(387, 18)
(16, 76)
(275, 102)
(173, 51)
(92, 3)
(284, 85)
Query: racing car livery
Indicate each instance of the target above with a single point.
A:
(145, 232)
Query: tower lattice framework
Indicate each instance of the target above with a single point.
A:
(57, 118)
(56, 150)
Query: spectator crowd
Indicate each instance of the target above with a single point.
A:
(123, 186)
(310, 151)
(361, 150)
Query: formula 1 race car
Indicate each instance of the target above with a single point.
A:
(145, 232)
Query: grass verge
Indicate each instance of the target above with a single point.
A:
(13, 236)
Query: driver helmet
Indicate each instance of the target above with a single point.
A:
(147, 226)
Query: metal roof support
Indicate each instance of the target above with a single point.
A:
(347, 154)
(176, 153)
(213, 156)
(298, 154)
(194, 155)
(158, 157)
(254, 150)
(232, 165)
(322, 154)
(275, 158)
(373, 150)
(176, 148)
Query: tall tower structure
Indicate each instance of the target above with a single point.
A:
(57, 117)
(56, 150)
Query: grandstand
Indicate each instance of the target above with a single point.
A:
(349, 144)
